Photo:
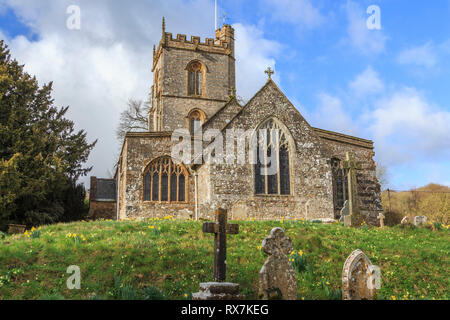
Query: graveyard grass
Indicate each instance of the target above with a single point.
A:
(118, 259)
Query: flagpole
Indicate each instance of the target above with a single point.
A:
(215, 16)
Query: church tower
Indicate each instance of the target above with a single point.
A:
(192, 80)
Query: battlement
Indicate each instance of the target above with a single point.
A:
(222, 44)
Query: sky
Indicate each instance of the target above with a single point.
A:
(389, 84)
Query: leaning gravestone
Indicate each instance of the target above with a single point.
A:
(277, 277)
(406, 220)
(418, 220)
(345, 211)
(219, 289)
(358, 277)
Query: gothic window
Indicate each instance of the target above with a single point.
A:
(195, 78)
(274, 178)
(196, 119)
(165, 181)
(340, 185)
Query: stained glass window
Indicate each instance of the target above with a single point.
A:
(272, 174)
(157, 177)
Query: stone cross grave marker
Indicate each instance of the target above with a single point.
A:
(381, 218)
(358, 277)
(220, 228)
(219, 290)
(354, 217)
(277, 277)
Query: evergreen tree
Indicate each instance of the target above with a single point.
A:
(41, 155)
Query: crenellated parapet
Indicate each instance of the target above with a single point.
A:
(223, 44)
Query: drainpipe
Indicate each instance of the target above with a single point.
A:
(118, 192)
(196, 194)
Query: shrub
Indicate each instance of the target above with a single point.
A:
(2, 235)
(298, 260)
(152, 293)
(333, 294)
(52, 296)
(127, 292)
(393, 218)
(437, 226)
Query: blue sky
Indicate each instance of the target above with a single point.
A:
(390, 85)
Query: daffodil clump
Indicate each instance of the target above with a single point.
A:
(155, 229)
(298, 260)
(77, 238)
(33, 233)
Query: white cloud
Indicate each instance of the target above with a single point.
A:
(254, 54)
(406, 126)
(359, 36)
(300, 12)
(423, 56)
(368, 82)
(97, 69)
(331, 115)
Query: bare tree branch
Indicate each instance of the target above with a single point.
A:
(133, 118)
(382, 175)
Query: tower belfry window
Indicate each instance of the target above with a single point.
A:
(195, 78)
(196, 119)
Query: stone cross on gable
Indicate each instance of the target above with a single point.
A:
(220, 228)
(352, 165)
(269, 72)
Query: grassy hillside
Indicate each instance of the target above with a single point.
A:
(119, 259)
(432, 200)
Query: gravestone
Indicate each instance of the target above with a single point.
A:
(277, 277)
(418, 220)
(219, 289)
(358, 277)
(345, 211)
(16, 228)
(381, 218)
(406, 220)
(353, 219)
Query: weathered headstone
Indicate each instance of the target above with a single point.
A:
(353, 219)
(358, 277)
(381, 218)
(277, 277)
(345, 211)
(219, 290)
(418, 220)
(406, 220)
(16, 228)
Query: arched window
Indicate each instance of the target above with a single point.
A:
(340, 185)
(165, 181)
(273, 178)
(195, 78)
(196, 119)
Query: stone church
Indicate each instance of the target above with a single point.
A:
(194, 89)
